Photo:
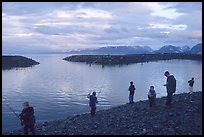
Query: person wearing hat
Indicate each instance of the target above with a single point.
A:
(27, 118)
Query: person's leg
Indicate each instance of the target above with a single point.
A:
(130, 99)
(191, 89)
(25, 130)
(32, 129)
(133, 98)
(91, 111)
(94, 110)
(169, 99)
(154, 102)
(150, 102)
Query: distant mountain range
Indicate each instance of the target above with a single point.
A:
(197, 49)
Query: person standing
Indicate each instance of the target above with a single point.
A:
(92, 103)
(27, 118)
(152, 96)
(170, 87)
(191, 82)
(132, 92)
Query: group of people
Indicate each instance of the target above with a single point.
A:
(170, 88)
(28, 119)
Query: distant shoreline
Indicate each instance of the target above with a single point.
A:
(183, 118)
(129, 59)
(10, 62)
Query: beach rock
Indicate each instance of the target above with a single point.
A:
(9, 62)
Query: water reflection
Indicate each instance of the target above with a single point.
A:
(57, 88)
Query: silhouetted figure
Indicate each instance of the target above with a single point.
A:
(92, 103)
(191, 82)
(152, 96)
(170, 87)
(132, 92)
(27, 118)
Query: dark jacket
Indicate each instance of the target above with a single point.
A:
(171, 84)
(152, 94)
(92, 101)
(191, 82)
(132, 89)
(27, 116)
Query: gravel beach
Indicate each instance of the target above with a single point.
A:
(184, 117)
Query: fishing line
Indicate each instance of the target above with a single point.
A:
(198, 77)
(12, 109)
(101, 87)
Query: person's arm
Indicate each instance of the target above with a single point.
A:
(149, 94)
(32, 110)
(155, 94)
(22, 116)
(167, 82)
(88, 96)
(96, 100)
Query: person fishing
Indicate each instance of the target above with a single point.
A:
(27, 118)
(191, 82)
(92, 102)
(132, 92)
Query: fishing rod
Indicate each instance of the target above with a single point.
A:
(198, 77)
(13, 111)
(88, 96)
(101, 88)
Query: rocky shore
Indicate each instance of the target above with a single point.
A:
(184, 117)
(128, 59)
(9, 62)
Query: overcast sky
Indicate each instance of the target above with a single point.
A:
(52, 26)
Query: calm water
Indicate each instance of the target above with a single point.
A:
(57, 88)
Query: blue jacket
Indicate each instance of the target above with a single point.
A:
(92, 101)
(132, 89)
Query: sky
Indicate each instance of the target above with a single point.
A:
(62, 26)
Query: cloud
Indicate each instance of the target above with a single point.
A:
(164, 10)
(83, 13)
(61, 26)
(168, 26)
(24, 34)
(196, 34)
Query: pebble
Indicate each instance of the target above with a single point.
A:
(184, 118)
